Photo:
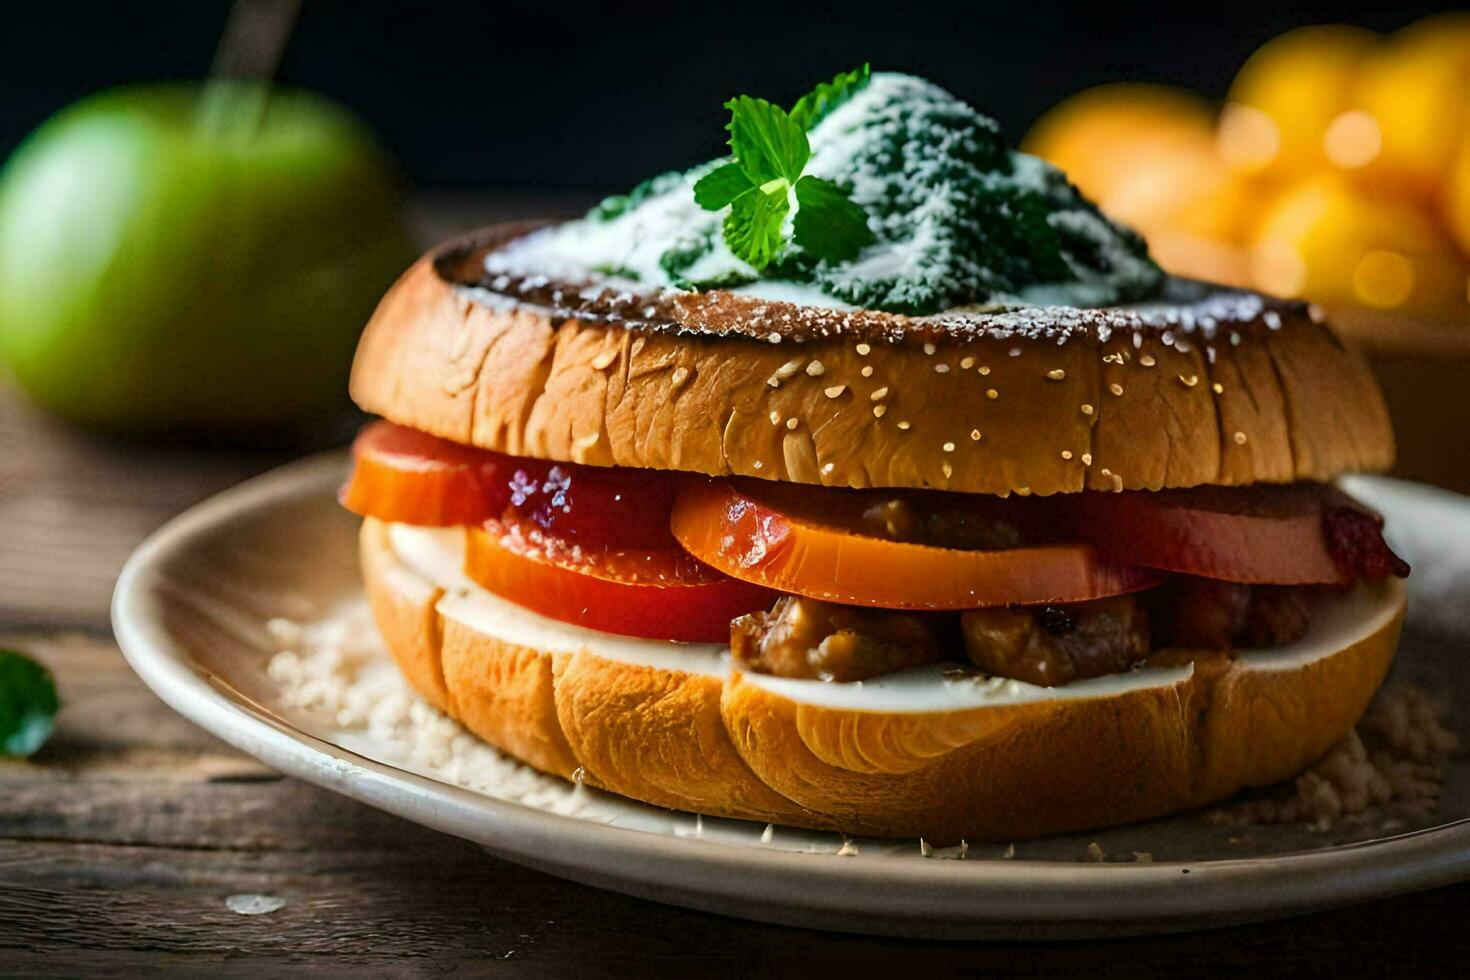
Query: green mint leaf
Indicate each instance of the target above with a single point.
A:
(827, 223)
(721, 186)
(27, 704)
(767, 144)
(753, 226)
(810, 108)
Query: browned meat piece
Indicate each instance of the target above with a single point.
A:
(1207, 613)
(1051, 645)
(1277, 616)
(807, 638)
(948, 525)
(1212, 615)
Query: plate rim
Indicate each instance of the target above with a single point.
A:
(988, 899)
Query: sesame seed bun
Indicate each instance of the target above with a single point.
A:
(1193, 728)
(1205, 386)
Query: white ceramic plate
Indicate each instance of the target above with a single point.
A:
(190, 614)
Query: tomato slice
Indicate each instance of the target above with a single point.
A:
(741, 532)
(661, 594)
(1297, 534)
(410, 477)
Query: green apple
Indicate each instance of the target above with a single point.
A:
(171, 263)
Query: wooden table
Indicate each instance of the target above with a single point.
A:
(124, 840)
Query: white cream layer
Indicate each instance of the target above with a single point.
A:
(438, 556)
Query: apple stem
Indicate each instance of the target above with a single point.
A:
(249, 52)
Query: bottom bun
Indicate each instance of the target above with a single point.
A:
(924, 753)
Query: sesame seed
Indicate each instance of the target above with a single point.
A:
(974, 435)
(992, 394)
(815, 369)
(1217, 388)
(878, 411)
(966, 363)
(941, 368)
(1086, 408)
(1115, 388)
(1147, 360)
(774, 337)
(948, 447)
(775, 418)
(879, 394)
(1117, 483)
(603, 359)
(827, 467)
(791, 423)
(1272, 319)
(929, 349)
(589, 440)
(867, 370)
(1087, 459)
(1189, 380)
(1113, 358)
(787, 370)
(757, 465)
(1066, 454)
(902, 425)
(983, 370)
(1015, 352)
(1056, 374)
(864, 350)
(680, 375)
(948, 470)
(834, 391)
(1239, 438)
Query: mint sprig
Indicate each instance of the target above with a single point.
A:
(28, 703)
(770, 150)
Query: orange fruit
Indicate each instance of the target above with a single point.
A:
(1286, 96)
(1415, 91)
(1327, 240)
(1101, 136)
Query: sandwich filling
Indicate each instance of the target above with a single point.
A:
(827, 584)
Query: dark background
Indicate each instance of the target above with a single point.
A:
(599, 96)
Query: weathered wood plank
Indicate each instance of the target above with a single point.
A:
(445, 902)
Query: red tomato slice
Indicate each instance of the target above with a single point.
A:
(1297, 534)
(404, 475)
(661, 594)
(740, 532)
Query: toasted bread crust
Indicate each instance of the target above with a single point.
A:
(1238, 390)
(726, 746)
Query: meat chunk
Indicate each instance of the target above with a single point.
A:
(808, 638)
(1051, 645)
(1213, 615)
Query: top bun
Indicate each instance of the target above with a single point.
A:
(1206, 386)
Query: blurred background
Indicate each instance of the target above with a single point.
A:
(189, 265)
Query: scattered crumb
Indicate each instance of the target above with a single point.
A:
(254, 904)
(338, 667)
(1010, 852)
(1391, 765)
(1143, 857)
(1095, 852)
(848, 848)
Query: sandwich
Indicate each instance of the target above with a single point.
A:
(870, 479)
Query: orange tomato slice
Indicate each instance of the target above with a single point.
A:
(743, 534)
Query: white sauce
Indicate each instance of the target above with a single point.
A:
(438, 555)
